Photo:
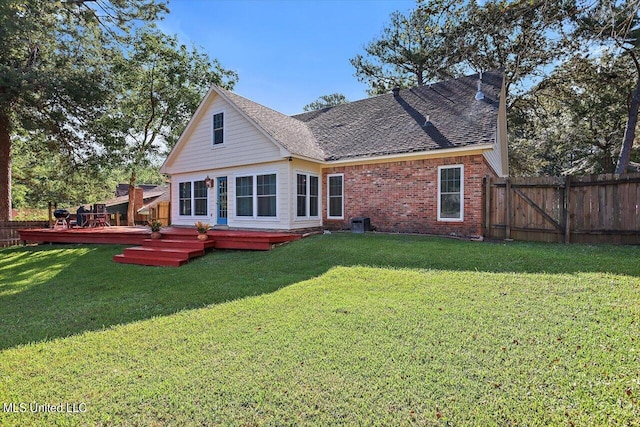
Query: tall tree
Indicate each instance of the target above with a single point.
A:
(521, 37)
(577, 119)
(326, 101)
(413, 49)
(54, 71)
(159, 86)
(42, 175)
(442, 38)
(615, 25)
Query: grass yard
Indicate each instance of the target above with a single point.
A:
(339, 329)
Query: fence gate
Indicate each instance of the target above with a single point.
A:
(581, 209)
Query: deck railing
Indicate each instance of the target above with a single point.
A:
(9, 231)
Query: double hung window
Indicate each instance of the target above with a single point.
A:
(451, 193)
(335, 196)
(266, 194)
(218, 129)
(308, 190)
(193, 198)
(256, 195)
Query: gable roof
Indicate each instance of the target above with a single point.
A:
(289, 132)
(148, 192)
(431, 117)
(388, 124)
(122, 189)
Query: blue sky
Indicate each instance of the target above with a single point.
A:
(287, 53)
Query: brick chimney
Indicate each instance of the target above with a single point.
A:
(138, 201)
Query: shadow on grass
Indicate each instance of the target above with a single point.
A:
(51, 292)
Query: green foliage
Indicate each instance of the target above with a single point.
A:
(515, 36)
(155, 226)
(615, 25)
(326, 101)
(159, 85)
(442, 38)
(55, 63)
(582, 99)
(41, 175)
(340, 329)
(412, 50)
(526, 39)
(89, 89)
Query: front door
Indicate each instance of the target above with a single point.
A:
(221, 217)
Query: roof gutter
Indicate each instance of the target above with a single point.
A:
(468, 150)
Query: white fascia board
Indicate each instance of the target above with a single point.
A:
(192, 122)
(283, 150)
(444, 152)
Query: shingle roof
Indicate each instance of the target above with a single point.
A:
(386, 124)
(430, 117)
(148, 193)
(292, 134)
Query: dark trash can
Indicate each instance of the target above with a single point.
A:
(360, 224)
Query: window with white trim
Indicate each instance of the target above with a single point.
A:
(185, 198)
(200, 199)
(218, 128)
(308, 190)
(335, 196)
(244, 196)
(451, 193)
(266, 194)
(256, 195)
(314, 196)
(193, 198)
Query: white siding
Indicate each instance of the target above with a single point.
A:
(280, 222)
(498, 158)
(304, 167)
(176, 219)
(243, 142)
(494, 159)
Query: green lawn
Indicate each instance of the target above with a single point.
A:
(336, 329)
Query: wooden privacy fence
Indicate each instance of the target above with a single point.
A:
(580, 209)
(9, 231)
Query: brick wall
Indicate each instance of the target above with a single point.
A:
(402, 196)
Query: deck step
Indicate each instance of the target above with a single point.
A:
(143, 260)
(180, 243)
(252, 245)
(164, 252)
(160, 252)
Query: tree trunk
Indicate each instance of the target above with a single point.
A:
(131, 210)
(630, 131)
(5, 167)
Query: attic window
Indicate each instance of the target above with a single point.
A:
(218, 128)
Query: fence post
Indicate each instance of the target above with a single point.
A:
(507, 207)
(487, 206)
(566, 213)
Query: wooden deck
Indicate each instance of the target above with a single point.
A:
(175, 248)
(100, 236)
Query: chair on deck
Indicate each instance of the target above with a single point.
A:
(82, 220)
(101, 217)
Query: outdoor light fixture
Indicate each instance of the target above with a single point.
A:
(208, 182)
